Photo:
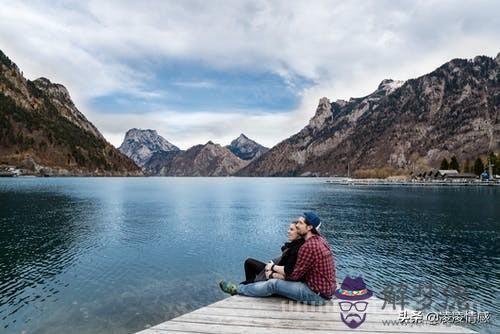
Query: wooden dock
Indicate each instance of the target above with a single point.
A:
(275, 315)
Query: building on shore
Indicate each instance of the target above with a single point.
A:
(461, 177)
(450, 175)
(454, 176)
(444, 173)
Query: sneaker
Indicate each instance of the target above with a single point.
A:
(228, 287)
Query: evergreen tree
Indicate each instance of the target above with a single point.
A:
(478, 166)
(495, 161)
(454, 163)
(444, 164)
(497, 166)
(467, 166)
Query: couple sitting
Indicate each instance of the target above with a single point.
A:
(305, 272)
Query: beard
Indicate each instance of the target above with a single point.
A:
(353, 320)
(302, 233)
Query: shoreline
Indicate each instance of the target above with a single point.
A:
(16, 172)
(329, 180)
(415, 183)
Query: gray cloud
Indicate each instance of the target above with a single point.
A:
(346, 48)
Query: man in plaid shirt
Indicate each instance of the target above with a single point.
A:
(313, 278)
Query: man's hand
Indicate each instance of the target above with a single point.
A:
(275, 275)
(268, 273)
(278, 276)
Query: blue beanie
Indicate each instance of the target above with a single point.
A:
(312, 219)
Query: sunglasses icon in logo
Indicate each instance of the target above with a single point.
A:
(359, 306)
(353, 303)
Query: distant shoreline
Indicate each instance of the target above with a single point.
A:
(384, 182)
(330, 180)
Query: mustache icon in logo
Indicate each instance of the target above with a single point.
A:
(353, 319)
(352, 295)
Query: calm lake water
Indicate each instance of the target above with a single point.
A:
(114, 255)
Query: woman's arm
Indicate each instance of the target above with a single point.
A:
(272, 274)
(279, 269)
(276, 268)
(278, 276)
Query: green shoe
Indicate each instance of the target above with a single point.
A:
(228, 287)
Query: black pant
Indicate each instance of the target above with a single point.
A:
(252, 269)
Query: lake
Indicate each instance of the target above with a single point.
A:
(115, 255)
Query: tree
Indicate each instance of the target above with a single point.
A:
(497, 165)
(467, 166)
(454, 163)
(444, 164)
(478, 166)
(495, 161)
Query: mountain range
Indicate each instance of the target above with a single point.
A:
(157, 156)
(402, 128)
(209, 159)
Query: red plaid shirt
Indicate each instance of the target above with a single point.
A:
(316, 264)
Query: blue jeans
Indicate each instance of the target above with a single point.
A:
(298, 291)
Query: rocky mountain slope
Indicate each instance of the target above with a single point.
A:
(140, 145)
(200, 160)
(246, 148)
(43, 133)
(401, 128)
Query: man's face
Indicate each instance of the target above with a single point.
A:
(353, 313)
(301, 226)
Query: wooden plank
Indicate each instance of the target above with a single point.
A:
(239, 314)
(162, 331)
(296, 311)
(254, 313)
(325, 324)
(284, 301)
(297, 307)
(278, 302)
(301, 309)
(173, 325)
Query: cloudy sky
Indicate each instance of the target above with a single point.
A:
(210, 70)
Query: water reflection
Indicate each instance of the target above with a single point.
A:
(96, 255)
(42, 234)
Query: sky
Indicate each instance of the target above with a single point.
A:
(209, 70)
